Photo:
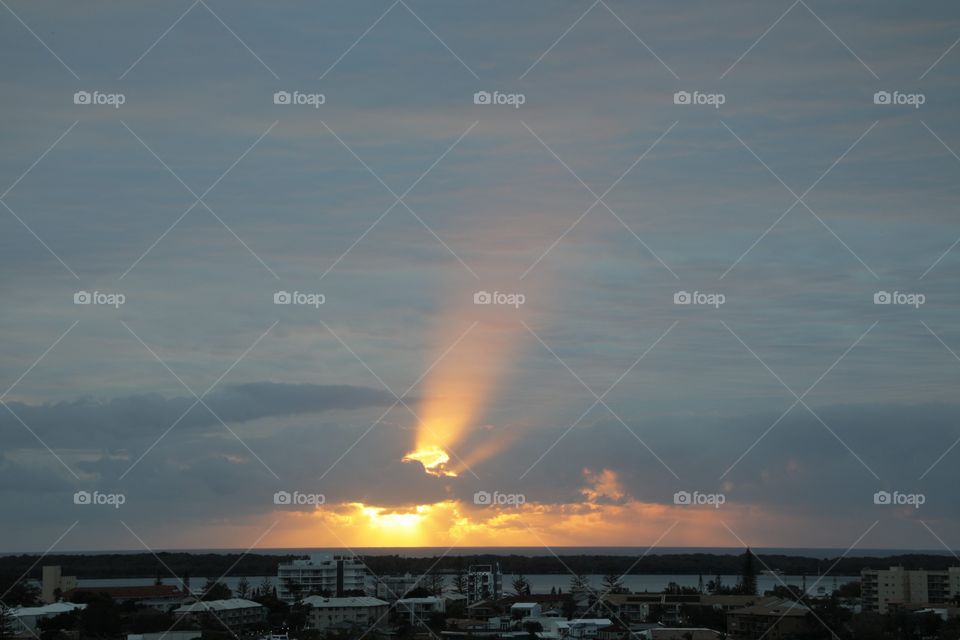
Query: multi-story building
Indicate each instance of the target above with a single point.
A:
(885, 589)
(418, 611)
(235, 613)
(392, 588)
(484, 581)
(55, 584)
(332, 576)
(356, 612)
(769, 619)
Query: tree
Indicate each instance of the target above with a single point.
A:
(8, 624)
(613, 583)
(294, 588)
(460, 578)
(748, 575)
(214, 590)
(435, 583)
(243, 588)
(101, 617)
(266, 587)
(579, 584)
(521, 586)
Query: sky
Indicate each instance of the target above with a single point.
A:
(558, 273)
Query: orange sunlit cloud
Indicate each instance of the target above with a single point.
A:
(606, 516)
(470, 365)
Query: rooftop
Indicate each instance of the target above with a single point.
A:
(319, 602)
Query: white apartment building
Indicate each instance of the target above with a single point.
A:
(55, 583)
(360, 612)
(885, 589)
(419, 610)
(392, 588)
(484, 581)
(326, 575)
(235, 613)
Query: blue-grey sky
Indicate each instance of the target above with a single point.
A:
(598, 199)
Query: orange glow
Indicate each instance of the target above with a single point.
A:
(469, 366)
(606, 515)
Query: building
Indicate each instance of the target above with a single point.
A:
(163, 597)
(234, 613)
(418, 610)
(770, 619)
(521, 610)
(26, 618)
(392, 588)
(54, 584)
(896, 587)
(333, 576)
(352, 612)
(484, 581)
(680, 633)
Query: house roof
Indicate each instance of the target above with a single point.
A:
(130, 593)
(218, 605)
(319, 602)
(48, 609)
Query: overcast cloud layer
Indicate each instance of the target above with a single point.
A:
(798, 199)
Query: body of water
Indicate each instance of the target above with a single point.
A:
(539, 583)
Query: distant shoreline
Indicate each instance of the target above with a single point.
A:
(207, 563)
